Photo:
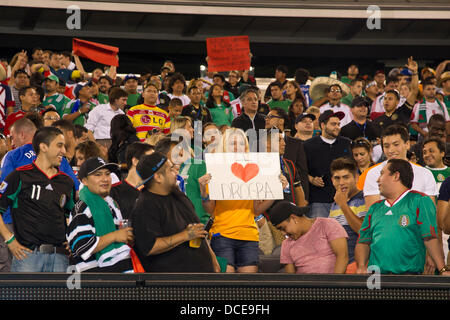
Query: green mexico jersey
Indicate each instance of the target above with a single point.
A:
(102, 98)
(439, 174)
(396, 232)
(58, 101)
(81, 120)
(221, 115)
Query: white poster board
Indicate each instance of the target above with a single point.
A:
(244, 176)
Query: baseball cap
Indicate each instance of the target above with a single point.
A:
(305, 115)
(130, 76)
(52, 77)
(359, 101)
(79, 86)
(283, 210)
(330, 113)
(371, 84)
(148, 165)
(92, 165)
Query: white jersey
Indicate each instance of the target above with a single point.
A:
(423, 181)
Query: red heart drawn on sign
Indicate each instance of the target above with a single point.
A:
(246, 173)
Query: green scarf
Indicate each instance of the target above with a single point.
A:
(104, 224)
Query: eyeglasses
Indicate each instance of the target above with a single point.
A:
(335, 90)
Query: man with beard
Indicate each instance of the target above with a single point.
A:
(320, 152)
(104, 84)
(334, 94)
(165, 222)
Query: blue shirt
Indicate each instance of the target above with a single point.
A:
(25, 155)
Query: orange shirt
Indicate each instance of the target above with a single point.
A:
(362, 177)
(235, 219)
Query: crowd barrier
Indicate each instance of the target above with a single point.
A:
(215, 287)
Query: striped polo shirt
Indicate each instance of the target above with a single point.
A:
(357, 205)
(146, 118)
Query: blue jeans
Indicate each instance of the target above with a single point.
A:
(41, 262)
(319, 210)
(239, 253)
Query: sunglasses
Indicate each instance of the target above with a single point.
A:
(359, 143)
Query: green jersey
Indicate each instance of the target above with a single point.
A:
(133, 99)
(191, 171)
(396, 232)
(58, 101)
(102, 98)
(221, 114)
(439, 174)
(283, 104)
(74, 106)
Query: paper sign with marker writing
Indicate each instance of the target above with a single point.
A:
(244, 176)
(228, 53)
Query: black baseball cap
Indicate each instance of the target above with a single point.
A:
(305, 115)
(148, 165)
(92, 165)
(359, 101)
(283, 210)
(330, 113)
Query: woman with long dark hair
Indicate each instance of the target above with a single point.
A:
(221, 111)
(122, 135)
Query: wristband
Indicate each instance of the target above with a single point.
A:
(259, 217)
(10, 239)
(205, 199)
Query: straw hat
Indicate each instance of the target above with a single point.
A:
(320, 84)
(444, 77)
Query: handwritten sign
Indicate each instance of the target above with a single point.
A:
(228, 53)
(244, 176)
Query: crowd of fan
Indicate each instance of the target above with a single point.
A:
(332, 146)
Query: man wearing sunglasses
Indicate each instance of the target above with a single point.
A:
(334, 94)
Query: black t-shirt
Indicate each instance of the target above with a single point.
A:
(125, 196)
(156, 216)
(401, 115)
(355, 130)
(39, 205)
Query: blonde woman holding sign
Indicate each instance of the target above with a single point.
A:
(235, 235)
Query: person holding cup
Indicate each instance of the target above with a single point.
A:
(96, 238)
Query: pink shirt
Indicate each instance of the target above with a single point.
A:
(312, 253)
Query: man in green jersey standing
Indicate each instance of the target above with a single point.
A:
(52, 98)
(398, 231)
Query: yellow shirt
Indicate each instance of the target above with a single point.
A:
(235, 219)
(145, 118)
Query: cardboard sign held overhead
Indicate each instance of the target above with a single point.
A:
(228, 53)
(244, 176)
(97, 52)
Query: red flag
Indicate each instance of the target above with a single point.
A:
(97, 52)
